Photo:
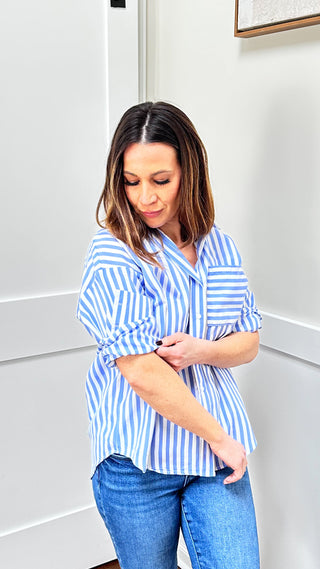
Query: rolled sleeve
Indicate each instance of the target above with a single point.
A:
(250, 318)
(133, 327)
(117, 312)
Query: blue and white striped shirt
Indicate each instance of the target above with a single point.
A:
(127, 305)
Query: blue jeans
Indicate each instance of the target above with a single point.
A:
(144, 512)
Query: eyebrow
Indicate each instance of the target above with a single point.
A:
(153, 174)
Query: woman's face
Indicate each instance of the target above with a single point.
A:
(152, 176)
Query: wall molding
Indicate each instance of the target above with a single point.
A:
(77, 522)
(48, 520)
(48, 324)
(73, 539)
(41, 325)
(291, 337)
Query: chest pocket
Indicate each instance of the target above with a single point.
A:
(226, 291)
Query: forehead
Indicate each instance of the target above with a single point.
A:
(150, 157)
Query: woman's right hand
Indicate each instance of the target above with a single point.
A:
(233, 455)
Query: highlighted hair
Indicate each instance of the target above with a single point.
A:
(163, 123)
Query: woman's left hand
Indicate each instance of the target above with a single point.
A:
(179, 350)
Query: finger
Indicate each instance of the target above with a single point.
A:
(234, 477)
(164, 352)
(171, 340)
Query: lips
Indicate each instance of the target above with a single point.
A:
(151, 213)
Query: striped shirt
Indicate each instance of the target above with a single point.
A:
(127, 305)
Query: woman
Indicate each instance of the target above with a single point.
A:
(166, 298)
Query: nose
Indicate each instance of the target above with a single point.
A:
(147, 194)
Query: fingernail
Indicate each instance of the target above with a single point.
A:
(159, 343)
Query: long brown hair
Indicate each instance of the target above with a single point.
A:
(163, 123)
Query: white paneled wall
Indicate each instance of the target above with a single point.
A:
(47, 513)
(255, 104)
(69, 70)
(282, 395)
(281, 389)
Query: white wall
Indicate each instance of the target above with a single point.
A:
(61, 64)
(53, 141)
(255, 104)
(282, 394)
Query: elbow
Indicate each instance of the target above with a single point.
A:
(137, 382)
(136, 369)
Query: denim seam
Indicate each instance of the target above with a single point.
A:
(190, 535)
(104, 515)
(100, 499)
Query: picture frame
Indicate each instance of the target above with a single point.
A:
(260, 17)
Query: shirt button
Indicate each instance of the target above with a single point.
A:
(198, 315)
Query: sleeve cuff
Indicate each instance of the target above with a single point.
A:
(135, 342)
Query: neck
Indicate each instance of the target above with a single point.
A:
(174, 233)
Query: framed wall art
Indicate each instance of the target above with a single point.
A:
(259, 17)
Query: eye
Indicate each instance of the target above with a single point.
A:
(127, 183)
(162, 182)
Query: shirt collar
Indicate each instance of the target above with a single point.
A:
(171, 251)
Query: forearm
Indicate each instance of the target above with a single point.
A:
(181, 350)
(233, 350)
(163, 389)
